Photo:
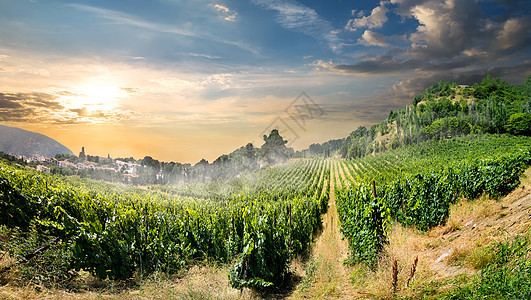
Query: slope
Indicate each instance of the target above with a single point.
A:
(22, 142)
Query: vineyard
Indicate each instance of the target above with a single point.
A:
(416, 185)
(117, 232)
(257, 222)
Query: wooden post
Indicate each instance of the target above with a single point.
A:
(374, 188)
(290, 228)
(233, 230)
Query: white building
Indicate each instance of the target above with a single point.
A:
(44, 169)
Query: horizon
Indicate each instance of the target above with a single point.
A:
(181, 81)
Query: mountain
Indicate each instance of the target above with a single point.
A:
(22, 142)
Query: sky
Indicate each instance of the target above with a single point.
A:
(181, 80)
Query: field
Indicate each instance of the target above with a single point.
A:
(276, 231)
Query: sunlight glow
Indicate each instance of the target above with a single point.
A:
(95, 97)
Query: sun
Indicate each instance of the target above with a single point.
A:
(100, 97)
(95, 96)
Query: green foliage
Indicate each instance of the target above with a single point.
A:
(445, 110)
(519, 124)
(274, 150)
(116, 232)
(364, 220)
(15, 210)
(416, 185)
(448, 127)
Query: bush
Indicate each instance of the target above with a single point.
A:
(519, 124)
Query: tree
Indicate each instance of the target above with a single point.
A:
(519, 124)
(274, 150)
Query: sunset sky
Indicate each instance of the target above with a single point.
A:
(191, 79)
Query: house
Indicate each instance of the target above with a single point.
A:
(52, 160)
(65, 164)
(129, 168)
(38, 158)
(44, 169)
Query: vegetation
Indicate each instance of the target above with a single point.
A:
(506, 276)
(116, 232)
(444, 110)
(417, 187)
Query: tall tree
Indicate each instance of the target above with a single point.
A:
(274, 150)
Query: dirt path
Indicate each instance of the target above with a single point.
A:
(329, 279)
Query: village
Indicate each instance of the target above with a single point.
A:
(47, 164)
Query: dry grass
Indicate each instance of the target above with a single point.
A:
(326, 276)
(200, 282)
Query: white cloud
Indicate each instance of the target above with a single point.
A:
(371, 38)
(298, 17)
(186, 86)
(228, 15)
(512, 33)
(204, 55)
(126, 19)
(376, 19)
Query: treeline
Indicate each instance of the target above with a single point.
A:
(246, 158)
(442, 111)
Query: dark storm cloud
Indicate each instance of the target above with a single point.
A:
(451, 35)
(454, 40)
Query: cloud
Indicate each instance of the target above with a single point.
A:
(127, 19)
(204, 55)
(451, 36)
(27, 106)
(300, 18)
(228, 15)
(46, 108)
(376, 19)
(371, 38)
(80, 111)
(130, 20)
(218, 82)
(514, 32)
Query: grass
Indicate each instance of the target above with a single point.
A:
(200, 282)
(505, 274)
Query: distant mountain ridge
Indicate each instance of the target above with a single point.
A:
(23, 142)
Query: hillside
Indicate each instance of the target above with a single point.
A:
(444, 110)
(22, 142)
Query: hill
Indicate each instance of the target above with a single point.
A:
(22, 142)
(444, 110)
